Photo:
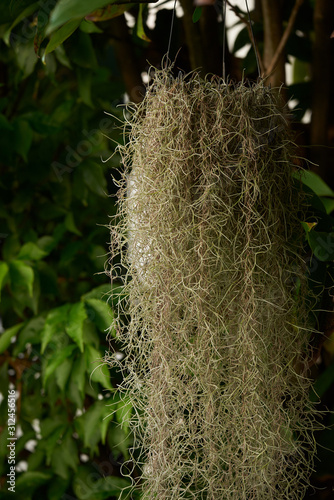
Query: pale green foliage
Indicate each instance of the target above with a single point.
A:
(216, 342)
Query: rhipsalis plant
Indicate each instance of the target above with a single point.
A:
(208, 243)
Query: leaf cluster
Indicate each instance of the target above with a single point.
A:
(54, 206)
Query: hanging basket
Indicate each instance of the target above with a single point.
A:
(208, 244)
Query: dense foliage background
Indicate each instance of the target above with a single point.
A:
(61, 67)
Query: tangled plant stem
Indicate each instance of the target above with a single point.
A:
(215, 327)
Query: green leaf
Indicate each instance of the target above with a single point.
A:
(7, 335)
(42, 19)
(42, 123)
(102, 488)
(118, 440)
(109, 12)
(197, 14)
(101, 292)
(90, 335)
(62, 373)
(31, 333)
(241, 40)
(30, 251)
(4, 123)
(322, 384)
(54, 324)
(75, 9)
(30, 480)
(100, 313)
(94, 177)
(23, 15)
(85, 85)
(77, 383)
(89, 27)
(315, 182)
(93, 424)
(81, 51)
(60, 36)
(3, 273)
(70, 224)
(308, 226)
(57, 489)
(74, 327)
(140, 24)
(328, 204)
(97, 368)
(322, 245)
(53, 438)
(124, 413)
(23, 136)
(21, 277)
(65, 456)
(57, 360)
(46, 244)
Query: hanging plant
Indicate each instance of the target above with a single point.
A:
(215, 330)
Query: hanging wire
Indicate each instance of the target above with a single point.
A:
(224, 36)
(171, 32)
(253, 40)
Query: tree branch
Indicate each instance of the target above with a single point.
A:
(284, 39)
(250, 34)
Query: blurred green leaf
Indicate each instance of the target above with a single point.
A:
(140, 23)
(97, 368)
(23, 138)
(328, 204)
(314, 181)
(77, 381)
(124, 413)
(89, 27)
(56, 360)
(85, 85)
(3, 274)
(80, 50)
(54, 324)
(28, 11)
(197, 14)
(57, 488)
(7, 335)
(30, 251)
(93, 424)
(100, 313)
(109, 12)
(65, 458)
(28, 481)
(70, 224)
(241, 40)
(102, 489)
(322, 384)
(322, 245)
(41, 123)
(101, 292)
(299, 47)
(94, 177)
(4, 123)
(21, 277)
(30, 334)
(62, 373)
(66, 11)
(74, 326)
(60, 36)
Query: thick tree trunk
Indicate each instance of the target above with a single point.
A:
(193, 38)
(322, 69)
(126, 59)
(273, 31)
